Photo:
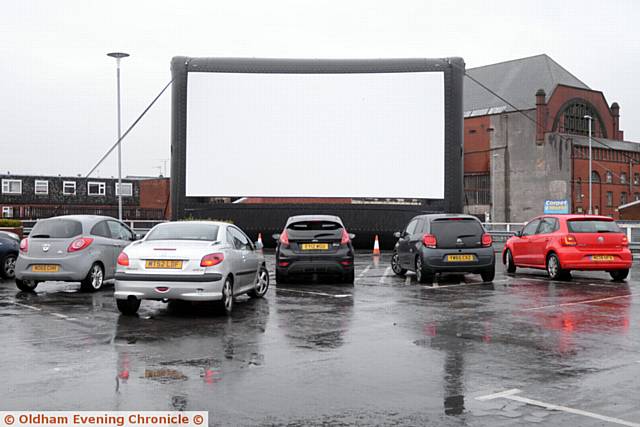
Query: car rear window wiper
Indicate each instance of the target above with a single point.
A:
(41, 236)
(466, 235)
(323, 235)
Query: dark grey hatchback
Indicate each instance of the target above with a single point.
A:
(442, 243)
(314, 245)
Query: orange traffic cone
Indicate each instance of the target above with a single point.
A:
(376, 246)
(260, 238)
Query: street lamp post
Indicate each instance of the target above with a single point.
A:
(493, 187)
(589, 118)
(118, 56)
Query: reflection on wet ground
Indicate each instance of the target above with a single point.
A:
(383, 351)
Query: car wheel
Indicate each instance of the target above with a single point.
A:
(26, 285)
(554, 270)
(281, 278)
(262, 284)
(128, 306)
(8, 270)
(619, 275)
(423, 275)
(510, 265)
(349, 277)
(489, 274)
(226, 303)
(94, 279)
(395, 265)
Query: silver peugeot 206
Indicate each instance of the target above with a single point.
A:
(190, 261)
(72, 248)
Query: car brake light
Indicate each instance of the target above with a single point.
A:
(345, 237)
(283, 264)
(79, 244)
(284, 238)
(123, 259)
(24, 245)
(625, 241)
(569, 240)
(429, 240)
(211, 260)
(487, 240)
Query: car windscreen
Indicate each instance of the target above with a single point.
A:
(314, 230)
(449, 230)
(56, 229)
(592, 226)
(184, 231)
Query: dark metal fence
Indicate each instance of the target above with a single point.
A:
(477, 189)
(37, 212)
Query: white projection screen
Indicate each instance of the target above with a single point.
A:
(315, 135)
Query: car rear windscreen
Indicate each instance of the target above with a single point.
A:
(448, 231)
(593, 226)
(184, 231)
(314, 230)
(56, 229)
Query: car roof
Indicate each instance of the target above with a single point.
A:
(432, 217)
(576, 216)
(86, 219)
(202, 222)
(297, 218)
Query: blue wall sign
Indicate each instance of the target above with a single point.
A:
(556, 206)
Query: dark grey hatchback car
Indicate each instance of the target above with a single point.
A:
(451, 243)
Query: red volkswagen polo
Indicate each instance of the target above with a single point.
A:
(561, 243)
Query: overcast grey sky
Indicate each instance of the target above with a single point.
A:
(57, 87)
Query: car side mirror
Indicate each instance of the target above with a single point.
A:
(397, 234)
(518, 233)
(276, 236)
(258, 246)
(352, 236)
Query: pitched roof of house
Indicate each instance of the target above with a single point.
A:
(516, 81)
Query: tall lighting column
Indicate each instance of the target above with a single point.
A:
(118, 56)
(589, 118)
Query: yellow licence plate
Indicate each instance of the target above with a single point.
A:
(602, 258)
(461, 258)
(315, 246)
(45, 268)
(163, 263)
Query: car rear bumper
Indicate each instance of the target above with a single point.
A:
(72, 268)
(436, 260)
(207, 287)
(574, 259)
(336, 263)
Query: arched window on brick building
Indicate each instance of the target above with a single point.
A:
(571, 119)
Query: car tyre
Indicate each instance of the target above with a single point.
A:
(226, 303)
(94, 279)
(619, 275)
(489, 274)
(129, 306)
(395, 265)
(554, 269)
(349, 277)
(262, 284)
(26, 285)
(8, 270)
(510, 265)
(423, 274)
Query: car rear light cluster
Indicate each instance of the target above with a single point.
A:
(80, 244)
(625, 241)
(430, 241)
(24, 245)
(284, 239)
(283, 264)
(211, 260)
(123, 259)
(345, 237)
(568, 240)
(487, 240)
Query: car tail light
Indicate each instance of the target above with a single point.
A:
(284, 238)
(211, 260)
(429, 240)
(345, 237)
(487, 240)
(625, 241)
(346, 262)
(80, 244)
(283, 264)
(569, 240)
(123, 259)
(24, 245)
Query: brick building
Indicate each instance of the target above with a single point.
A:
(34, 197)
(530, 143)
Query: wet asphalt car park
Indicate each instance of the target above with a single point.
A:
(384, 351)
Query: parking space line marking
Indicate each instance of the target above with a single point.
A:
(316, 293)
(26, 306)
(407, 281)
(361, 275)
(385, 274)
(62, 316)
(437, 286)
(511, 395)
(578, 302)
